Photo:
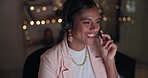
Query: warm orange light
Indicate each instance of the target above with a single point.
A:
(105, 18)
(31, 22)
(60, 4)
(24, 27)
(124, 19)
(47, 21)
(53, 21)
(59, 20)
(38, 22)
(55, 8)
(38, 10)
(129, 18)
(31, 8)
(120, 19)
(44, 8)
(42, 22)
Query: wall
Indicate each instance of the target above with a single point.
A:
(11, 39)
(133, 37)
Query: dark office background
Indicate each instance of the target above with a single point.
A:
(17, 41)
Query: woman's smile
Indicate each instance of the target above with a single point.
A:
(91, 36)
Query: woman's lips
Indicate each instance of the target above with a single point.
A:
(91, 35)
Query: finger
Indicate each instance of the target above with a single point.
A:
(111, 46)
(106, 36)
(101, 31)
(108, 42)
(112, 49)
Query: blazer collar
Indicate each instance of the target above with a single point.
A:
(65, 49)
(67, 64)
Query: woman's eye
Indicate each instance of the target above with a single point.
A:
(98, 21)
(86, 22)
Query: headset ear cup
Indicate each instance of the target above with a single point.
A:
(66, 25)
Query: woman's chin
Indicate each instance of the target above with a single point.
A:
(90, 42)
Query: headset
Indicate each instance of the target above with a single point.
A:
(67, 24)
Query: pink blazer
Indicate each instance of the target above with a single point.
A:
(56, 62)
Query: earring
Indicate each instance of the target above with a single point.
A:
(70, 38)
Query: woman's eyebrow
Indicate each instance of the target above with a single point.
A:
(85, 19)
(98, 18)
(90, 19)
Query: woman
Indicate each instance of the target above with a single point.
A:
(80, 54)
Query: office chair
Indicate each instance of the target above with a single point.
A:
(32, 63)
(125, 65)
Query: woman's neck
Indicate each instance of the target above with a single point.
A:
(76, 46)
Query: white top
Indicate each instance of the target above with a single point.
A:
(84, 71)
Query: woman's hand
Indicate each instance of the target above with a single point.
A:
(108, 51)
(108, 48)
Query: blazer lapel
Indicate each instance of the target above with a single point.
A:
(67, 68)
(97, 63)
(67, 71)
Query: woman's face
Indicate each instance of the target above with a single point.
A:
(85, 26)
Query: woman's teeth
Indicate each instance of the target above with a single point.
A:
(91, 35)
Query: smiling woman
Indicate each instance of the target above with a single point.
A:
(85, 27)
(81, 54)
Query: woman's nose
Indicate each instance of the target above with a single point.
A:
(95, 27)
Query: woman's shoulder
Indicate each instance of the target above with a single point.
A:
(56, 51)
(52, 56)
(53, 51)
